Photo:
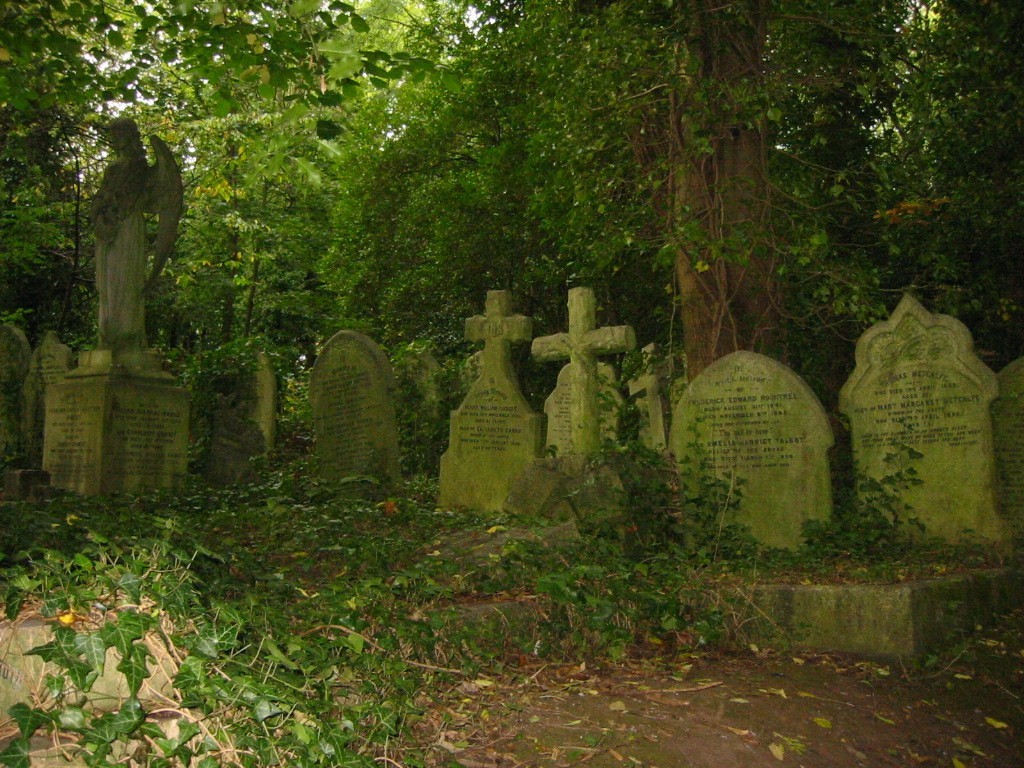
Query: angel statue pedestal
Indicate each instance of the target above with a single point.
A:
(118, 423)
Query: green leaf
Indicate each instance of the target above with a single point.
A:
(265, 709)
(93, 648)
(72, 718)
(311, 171)
(359, 23)
(451, 81)
(129, 717)
(134, 667)
(29, 720)
(17, 754)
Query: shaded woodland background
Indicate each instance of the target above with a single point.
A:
(748, 175)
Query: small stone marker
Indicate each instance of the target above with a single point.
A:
(581, 346)
(648, 388)
(351, 392)
(14, 357)
(754, 420)
(558, 408)
(919, 385)
(1008, 434)
(51, 361)
(494, 435)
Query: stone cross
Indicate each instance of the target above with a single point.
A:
(581, 347)
(652, 409)
(497, 328)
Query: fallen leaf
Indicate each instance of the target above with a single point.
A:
(958, 764)
(885, 719)
(822, 722)
(806, 695)
(739, 701)
(616, 755)
(617, 706)
(966, 746)
(738, 731)
(777, 750)
(798, 661)
(774, 692)
(997, 724)
(959, 676)
(483, 682)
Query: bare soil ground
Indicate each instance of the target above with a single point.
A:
(744, 710)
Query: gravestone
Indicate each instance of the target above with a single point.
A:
(749, 418)
(558, 408)
(263, 408)
(493, 435)
(51, 361)
(648, 388)
(14, 358)
(351, 391)
(919, 385)
(581, 347)
(117, 422)
(1008, 436)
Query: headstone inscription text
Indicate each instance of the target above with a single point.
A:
(1008, 428)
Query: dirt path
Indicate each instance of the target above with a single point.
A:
(743, 710)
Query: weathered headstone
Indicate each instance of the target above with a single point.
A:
(51, 361)
(558, 408)
(351, 391)
(263, 408)
(649, 388)
(118, 423)
(14, 356)
(1008, 435)
(919, 385)
(581, 347)
(752, 419)
(494, 435)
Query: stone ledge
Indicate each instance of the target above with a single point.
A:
(887, 620)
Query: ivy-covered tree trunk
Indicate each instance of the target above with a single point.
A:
(717, 182)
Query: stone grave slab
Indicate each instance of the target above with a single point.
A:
(581, 346)
(494, 435)
(558, 408)
(749, 418)
(51, 361)
(14, 358)
(919, 385)
(115, 430)
(351, 392)
(1008, 436)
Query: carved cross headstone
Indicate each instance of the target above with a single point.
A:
(648, 386)
(581, 346)
(494, 435)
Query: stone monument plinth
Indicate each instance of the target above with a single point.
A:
(116, 424)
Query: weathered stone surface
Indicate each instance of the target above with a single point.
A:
(114, 430)
(351, 392)
(493, 435)
(566, 488)
(51, 361)
(649, 390)
(907, 619)
(1008, 437)
(263, 408)
(581, 347)
(420, 373)
(756, 423)
(14, 358)
(919, 385)
(26, 485)
(558, 408)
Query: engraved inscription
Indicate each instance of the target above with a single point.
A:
(491, 423)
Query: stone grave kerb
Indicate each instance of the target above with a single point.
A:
(581, 346)
(912, 333)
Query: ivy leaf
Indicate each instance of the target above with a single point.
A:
(129, 717)
(29, 720)
(265, 709)
(17, 754)
(94, 649)
(134, 667)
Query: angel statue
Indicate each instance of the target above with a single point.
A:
(130, 188)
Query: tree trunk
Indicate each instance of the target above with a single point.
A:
(717, 166)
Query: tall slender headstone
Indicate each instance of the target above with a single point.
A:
(51, 362)
(263, 408)
(581, 346)
(1008, 434)
(648, 388)
(494, 435)
(14, 358)
(351, 391)
(754, 423)
(118, 423)
(919, 385)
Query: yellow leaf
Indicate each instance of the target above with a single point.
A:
(962, 677)
(958, 764)
(616, 755)
(617, 706)
(798, 661)
(738, 731)
(775, 692)
(497, 528)
(483, 682)
(739, 701)
(822, 722)
(997, 724)
(67, 619)
(5, 55)
(885, 719)
(777, 750)
(806, 695)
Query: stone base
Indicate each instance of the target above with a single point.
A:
(886, 620)
(566, 488)
(111, 429)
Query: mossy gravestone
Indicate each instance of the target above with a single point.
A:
(558, 408)
(750, 421)
(51, 362)
(918, 385)
(494, 435)
(351, 392)
(1008, 433)
(14, 356)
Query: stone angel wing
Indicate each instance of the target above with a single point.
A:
(165, 198)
